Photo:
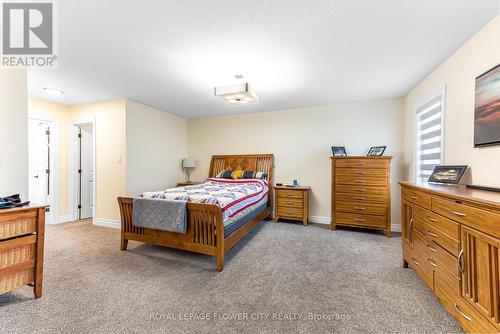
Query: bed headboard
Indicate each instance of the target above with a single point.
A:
(256, 162)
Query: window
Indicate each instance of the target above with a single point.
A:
(429, 141)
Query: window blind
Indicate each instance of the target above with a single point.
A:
(429, 126)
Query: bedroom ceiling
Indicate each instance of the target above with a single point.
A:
(171, 54)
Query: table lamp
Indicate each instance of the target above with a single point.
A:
(188, 164)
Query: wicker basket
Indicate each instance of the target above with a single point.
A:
(16, 280)
(17, 227)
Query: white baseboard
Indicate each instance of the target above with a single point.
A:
(327, 220)
(320, 220)
(106, 223)
(62, 220)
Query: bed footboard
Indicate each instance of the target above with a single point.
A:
(204, 232)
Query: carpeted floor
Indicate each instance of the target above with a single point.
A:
(280, 278)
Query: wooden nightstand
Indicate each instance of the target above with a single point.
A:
(183, 184)
(292, 203)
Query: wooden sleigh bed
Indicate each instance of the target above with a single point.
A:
(205, 228)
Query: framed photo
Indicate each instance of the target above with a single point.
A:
(487, 108)
(376, 151)
(447, 174)
(339, 151)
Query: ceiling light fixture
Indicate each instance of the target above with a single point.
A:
(53, 91)
(237, 94)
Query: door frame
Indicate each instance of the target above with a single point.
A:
(55, 218)
(73, 163)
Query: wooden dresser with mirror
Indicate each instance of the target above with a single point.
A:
(451, 238)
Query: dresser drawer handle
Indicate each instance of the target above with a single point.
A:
(432, 219)
(431, 234)
(359, 208)
(414, 197)
(460, 261)
(361, 173)
(462, 314)
(432, 263)
(415, 261)
(359, 181)
(359, 220)
(434, 250)
(359, 189)
(458, 213)
(360, 198)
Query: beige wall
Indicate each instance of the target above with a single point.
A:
(457, 74)
(156, 144)
(61, 113)
(13, 133)
(301, 139)
(110, 139)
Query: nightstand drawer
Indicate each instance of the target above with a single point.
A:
(290, 193)
(290, 202)
(290, 212)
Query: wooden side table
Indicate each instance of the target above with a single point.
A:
(183, 184)
(292, 203)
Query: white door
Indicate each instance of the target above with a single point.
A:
(87, 171)
(38, 161)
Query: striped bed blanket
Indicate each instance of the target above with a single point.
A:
(233, 196)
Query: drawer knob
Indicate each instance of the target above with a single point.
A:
(359, 189)
(414, 197)
(458, 213)
(415, 261)
(359, 181)
(359, 220)
(462, 313)
(359, 208)
(360, 198)
(432, 219)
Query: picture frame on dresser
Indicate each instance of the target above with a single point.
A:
(339, 151)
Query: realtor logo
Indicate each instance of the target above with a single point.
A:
(28, 31)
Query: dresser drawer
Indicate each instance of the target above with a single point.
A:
(290, 194)
(434, 234)
(361, 208)
(361, 163)
(360, 190)
(17, 224)
(422, 268)
(485, 221)
(375, 172)
(447, 289)
(361, 197)
(293, 213)
(342, 218)
(437, 257)
(471, 320)
(361, 180)
(285, 202)
(447, 226)
(16, 280)
(18, 250)
(417, 197)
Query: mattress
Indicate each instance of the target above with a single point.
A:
(233, 196)
(240, 219)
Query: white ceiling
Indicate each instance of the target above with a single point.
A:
(295, 53)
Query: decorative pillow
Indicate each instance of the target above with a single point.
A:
(239, 174)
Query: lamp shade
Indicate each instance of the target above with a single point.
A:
(188, 163)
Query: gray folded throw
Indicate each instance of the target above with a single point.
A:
(160, 214)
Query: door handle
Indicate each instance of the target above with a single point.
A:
(36, 176)
(460, 261)
(462, 314)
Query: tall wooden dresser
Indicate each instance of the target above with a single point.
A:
(22, 233)
(451, 238)
(361, 192)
